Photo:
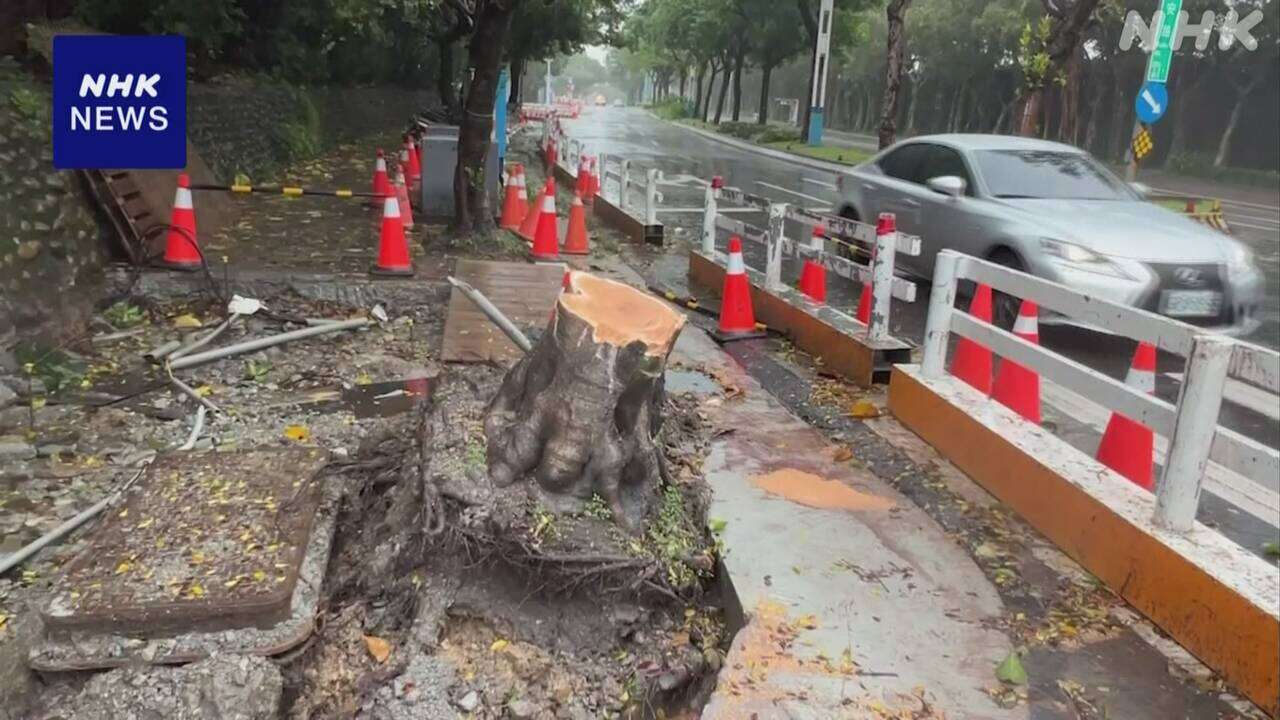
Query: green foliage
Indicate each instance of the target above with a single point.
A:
(740, 130)
(673, 109)
(124, 315)
(778, 133)
(54, 368)
(1033, 56)
(256, 370)
(299, 135)
(1201, 165)
(673, 539)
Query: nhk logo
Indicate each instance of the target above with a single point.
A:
(119, 101)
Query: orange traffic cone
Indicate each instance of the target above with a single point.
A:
(381, 184)
(595, 181)
(737, 319)
(402, 197)
(813, 275)
(546, 240)
(1127, 446)
(511, 216)
(181, 251)
(583, 180)
(530, 224)
(415, 163)
(972, 362)
(1016, 387)
(522, 194)
(393, 249)
(575, 239)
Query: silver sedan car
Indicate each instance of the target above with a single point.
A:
(1054, 211)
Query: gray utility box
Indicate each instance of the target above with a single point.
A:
(439, 158)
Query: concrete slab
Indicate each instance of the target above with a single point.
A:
(854, 600)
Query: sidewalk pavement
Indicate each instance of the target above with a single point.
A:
(853, 601)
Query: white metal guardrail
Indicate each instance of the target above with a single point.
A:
(839, 231)
(1195, 438)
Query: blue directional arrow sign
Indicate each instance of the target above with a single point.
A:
(1152, 101)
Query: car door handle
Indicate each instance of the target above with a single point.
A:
(909, 203)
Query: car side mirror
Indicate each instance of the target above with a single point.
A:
(948, 185)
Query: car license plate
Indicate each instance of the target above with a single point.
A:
(1190, 303)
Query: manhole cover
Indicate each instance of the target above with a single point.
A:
(204, 541)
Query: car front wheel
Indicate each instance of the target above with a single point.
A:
(1004, 307)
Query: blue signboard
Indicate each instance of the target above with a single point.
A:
(1152, 101)
(119, 101)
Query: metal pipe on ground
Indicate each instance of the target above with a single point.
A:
(266, 342)
(65, 528)
(493, 313)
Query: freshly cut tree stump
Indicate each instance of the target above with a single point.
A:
(581, 412)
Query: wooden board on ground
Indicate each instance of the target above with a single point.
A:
(524, 292)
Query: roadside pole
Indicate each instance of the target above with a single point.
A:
(820, 65)
(1158, 63)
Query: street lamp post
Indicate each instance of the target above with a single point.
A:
(820, 65)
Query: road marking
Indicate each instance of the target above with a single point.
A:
(788, 190)
(1255, 499)
(826, 185)
(1245, 395)
(1251, 226)
(1224, 202)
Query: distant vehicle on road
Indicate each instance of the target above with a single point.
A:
(617, 102)
(1054, 211)
(600, 101)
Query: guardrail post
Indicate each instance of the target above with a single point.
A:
(882, 282)
(624, 184)
(709, 223)
(937, 326)
(651, 196)
(1194, 425)
(773, 262)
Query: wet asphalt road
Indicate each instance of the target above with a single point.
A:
(646, 141)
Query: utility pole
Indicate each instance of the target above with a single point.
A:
(550, 98)
(820, 65)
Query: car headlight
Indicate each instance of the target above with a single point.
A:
(1081, 257)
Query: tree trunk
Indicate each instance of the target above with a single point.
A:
(810, 21)
(697, 100)
(1224, 145)
(896, 12)
(738, 62)
(517, 83)
(1095, 107)
(711, 86)
(914, 90)
(684, 77)
(724, 91)
(766, 73)
(1031, 109)
(471, 212)
(580, 413)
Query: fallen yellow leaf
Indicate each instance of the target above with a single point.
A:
(378, 648)
(187, 321)
(204, 391)
(297, 433)
(498, 645)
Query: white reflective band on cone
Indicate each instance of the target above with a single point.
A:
(736, 266)
(1143, 380)
(548, 203)
(1026, 325)
(182, 199)
(381, 164)
(390, 208)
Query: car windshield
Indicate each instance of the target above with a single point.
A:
(1048, 174)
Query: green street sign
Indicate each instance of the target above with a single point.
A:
(1162, 54)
